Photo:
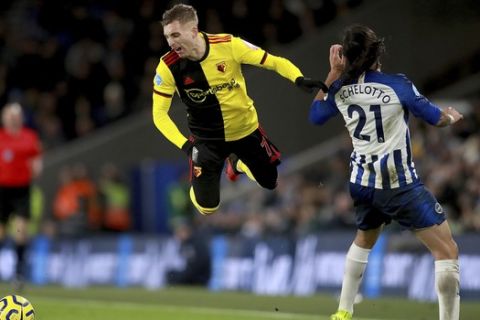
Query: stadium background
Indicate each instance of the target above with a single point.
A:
(83, 69)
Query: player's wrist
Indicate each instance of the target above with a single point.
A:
(332, 76)
(336, 71)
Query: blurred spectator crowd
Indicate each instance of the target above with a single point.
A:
(83, 205)
(78, 65)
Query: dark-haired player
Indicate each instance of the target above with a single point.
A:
(383, 182)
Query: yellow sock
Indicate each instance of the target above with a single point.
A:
(242, 167)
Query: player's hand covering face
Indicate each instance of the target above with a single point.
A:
(337, 60)
(181, 37)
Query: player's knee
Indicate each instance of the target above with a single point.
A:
(447, 250)
(204, 205)
(453, 250)
(268, 182)
(269, 185)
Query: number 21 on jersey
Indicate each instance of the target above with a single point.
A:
(374, 111)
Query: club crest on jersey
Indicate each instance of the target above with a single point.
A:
(197, 171)
(222, 66)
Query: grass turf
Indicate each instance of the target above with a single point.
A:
(182, 303)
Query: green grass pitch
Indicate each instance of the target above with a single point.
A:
(182, 303)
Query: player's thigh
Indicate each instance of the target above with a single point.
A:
(261, 156)
(206, 169)
(367, 215)
(414, 207)
(438, 239)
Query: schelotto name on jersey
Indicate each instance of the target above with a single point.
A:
(199, 95)
(364, 89)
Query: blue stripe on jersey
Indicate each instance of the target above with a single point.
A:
(397, 156)
(409, 157)
(353, 156)
(384, 171)
(371, 178)
(358, 179)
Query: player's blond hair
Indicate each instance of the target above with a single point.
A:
(182, 13)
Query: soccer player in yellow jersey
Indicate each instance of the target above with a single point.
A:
(205, 70)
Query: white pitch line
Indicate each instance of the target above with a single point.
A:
(204, 310)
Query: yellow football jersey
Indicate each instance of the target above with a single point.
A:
(213, 89)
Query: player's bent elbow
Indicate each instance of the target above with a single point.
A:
(316, 116)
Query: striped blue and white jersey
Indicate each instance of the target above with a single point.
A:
(376, 110)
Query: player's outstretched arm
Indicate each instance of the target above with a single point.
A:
(448, 117)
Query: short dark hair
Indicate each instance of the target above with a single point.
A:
(180, 12)
(362, 48)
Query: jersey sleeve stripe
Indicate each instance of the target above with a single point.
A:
(218, 41)
(264, 58)
(213, 38)
(162, 94)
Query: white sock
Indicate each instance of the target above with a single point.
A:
(447, 285)
(355, 264)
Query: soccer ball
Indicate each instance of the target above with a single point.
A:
(15, 307)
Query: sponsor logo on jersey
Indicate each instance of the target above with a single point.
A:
(222, 66)
(158, 80)
(199, 95)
